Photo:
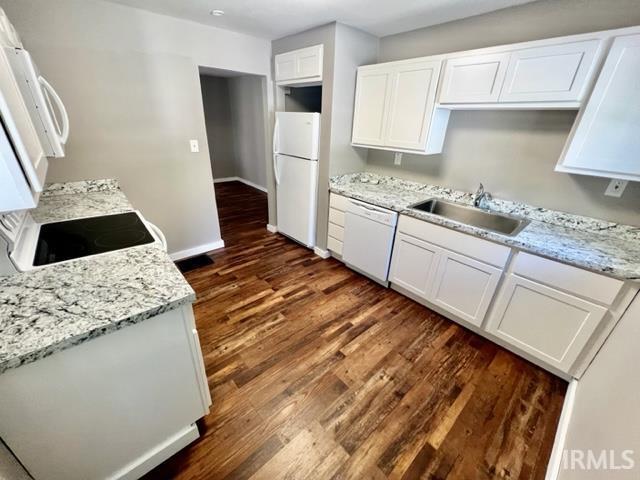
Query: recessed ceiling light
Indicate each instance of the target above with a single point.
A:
(216, 13)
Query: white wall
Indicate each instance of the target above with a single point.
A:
(130, 81)
(513, 153)
(606, 414)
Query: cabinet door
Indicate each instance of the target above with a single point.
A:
(464, 286)
(605, 141)
(309, 63)
(549, 324)
(553, 73)
(476, 79)
(413, 91)
(286, 66)
(413, 264)
(371, 106)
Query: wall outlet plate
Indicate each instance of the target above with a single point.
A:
(616, 188)
(193, 144)
(397, 158)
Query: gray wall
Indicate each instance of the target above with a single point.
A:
(217, 114)
(513, 153)
(248, 120)
(130, 81)
(235, 118)
(605, 414)
(345, 48)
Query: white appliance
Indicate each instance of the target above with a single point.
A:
(20, 237)
(29, 128)
(368, 239)
(295, 166)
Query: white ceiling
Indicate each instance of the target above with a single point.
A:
(278, 18)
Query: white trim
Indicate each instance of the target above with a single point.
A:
(238, 179)
(192, 252)
(555, 460)
(321, 253)
(158, 454)
(272, 228)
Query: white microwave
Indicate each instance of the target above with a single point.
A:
(34, 124)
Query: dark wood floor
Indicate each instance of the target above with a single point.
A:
(318, 373)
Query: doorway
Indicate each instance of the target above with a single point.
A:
(234, 110)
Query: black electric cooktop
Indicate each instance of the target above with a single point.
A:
(72, 239)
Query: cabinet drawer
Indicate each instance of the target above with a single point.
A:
(336, 217)
(334, 245)
(473, 247)
(338, 202)
(565, 277)
(336, 231)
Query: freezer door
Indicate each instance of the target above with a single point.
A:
(297, 134)
(297, 198)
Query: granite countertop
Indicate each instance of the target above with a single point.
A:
(597, 245)
(56, 307)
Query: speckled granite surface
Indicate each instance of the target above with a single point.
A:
(56, 307)
(596, 245)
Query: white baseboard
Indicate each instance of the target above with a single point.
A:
(159, 454)
(555, 460)
(321, 253)
(192, 252)
(272, 228)
(238, 179)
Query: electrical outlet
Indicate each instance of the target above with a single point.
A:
(195, 148)
(616, 188)
(397, 158)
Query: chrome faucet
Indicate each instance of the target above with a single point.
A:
(481, 197)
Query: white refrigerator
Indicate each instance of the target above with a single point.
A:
(295, 166)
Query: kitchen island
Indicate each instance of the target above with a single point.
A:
(101, 374)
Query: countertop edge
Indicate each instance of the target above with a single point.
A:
(95, 333)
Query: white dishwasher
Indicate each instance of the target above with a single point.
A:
(368, 239)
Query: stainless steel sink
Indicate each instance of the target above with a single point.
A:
(496, 222)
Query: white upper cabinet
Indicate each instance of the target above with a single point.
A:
(299, 66)
(551, 73)
(474, 79)
(412, 99)
(371, 105)
(605, 141)
(394, 105)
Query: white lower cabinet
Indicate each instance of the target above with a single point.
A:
(454, 282)
(549, 324)
(413, 264)
(464, 286)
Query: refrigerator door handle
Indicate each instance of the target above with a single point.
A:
(275, 152)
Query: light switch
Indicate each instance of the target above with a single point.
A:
(195, 148)
(616, 188)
